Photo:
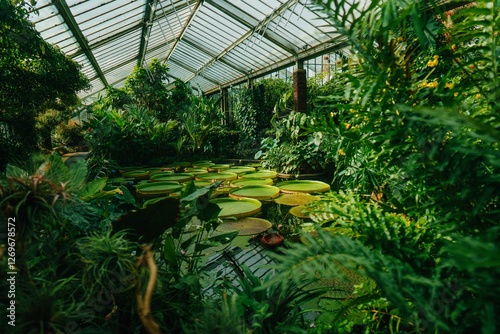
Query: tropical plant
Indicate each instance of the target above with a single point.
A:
(198, 122)
(294, 150)
(431, 138)
(132, 135)
(34, 76)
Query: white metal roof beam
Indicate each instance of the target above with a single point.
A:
(239, 15)
(332, 45)
(262, 24)
(184, 28)
(193, 44)
(188, 68)
(69, 20)
(128, 30)
(147, 23)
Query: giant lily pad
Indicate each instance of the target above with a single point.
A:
(246, 226)
(303, 186)
(129, 169)
(153, 169)
(218, 167)
(179, 177)
(180, 164)
(196, 171)
(202, 164)
(251, 182)
(258, 192)
(296, 199)
(158, 188)
(136, 174)
(201, 184)
(299, 211)
(240, 170)
(214, 177)
(163, 171)
(261, 174)
(233, 207)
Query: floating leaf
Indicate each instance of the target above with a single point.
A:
(232, 207)
(303, 186)
(258, 192)
(246, 226)
(296, 199)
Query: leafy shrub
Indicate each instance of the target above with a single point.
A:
(69, 134)
(131, 136)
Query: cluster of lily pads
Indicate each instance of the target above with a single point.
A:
(240, 195)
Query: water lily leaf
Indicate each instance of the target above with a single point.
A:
(246, 226)
(296, 199)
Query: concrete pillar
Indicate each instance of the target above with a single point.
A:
(299, 87)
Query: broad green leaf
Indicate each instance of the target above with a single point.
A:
(92, 188)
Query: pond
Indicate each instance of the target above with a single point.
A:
(244, 192)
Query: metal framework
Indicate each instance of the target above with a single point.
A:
(211, 44)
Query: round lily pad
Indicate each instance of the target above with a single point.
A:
(164, 171)
(153, 169)
(299, 211)
(179, 177)
(129, 169)
(258, 192)
(303, 186)
(218, 167)
(214, 177)
(201, 184)
(178, 164)
(202, 164)
(158, 188)
(251, 182)
(296, 199)
(261, 174)
(246, 226)
(240, 170)
(196, 171)
(136, 174)
(233, 207)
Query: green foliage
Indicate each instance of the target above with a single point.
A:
(69, 134)
(198, 121)
(220, 316)
(151, 88)
(294, 150)
(34, 76)
(253, 110)
(416, 121)
(131, 136)
(272, 308)
(108, 263)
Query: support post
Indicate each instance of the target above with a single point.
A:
(299, 87)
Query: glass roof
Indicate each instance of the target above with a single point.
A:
(211, 44)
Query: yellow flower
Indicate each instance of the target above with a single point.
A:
(454, 47)
(434, 62)
(352, 110)
(478, 96)
(423, 84)
(449, 85)
(455, 94)
(433, 84)
(331, 113)
(341, 152)
(347, 126)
